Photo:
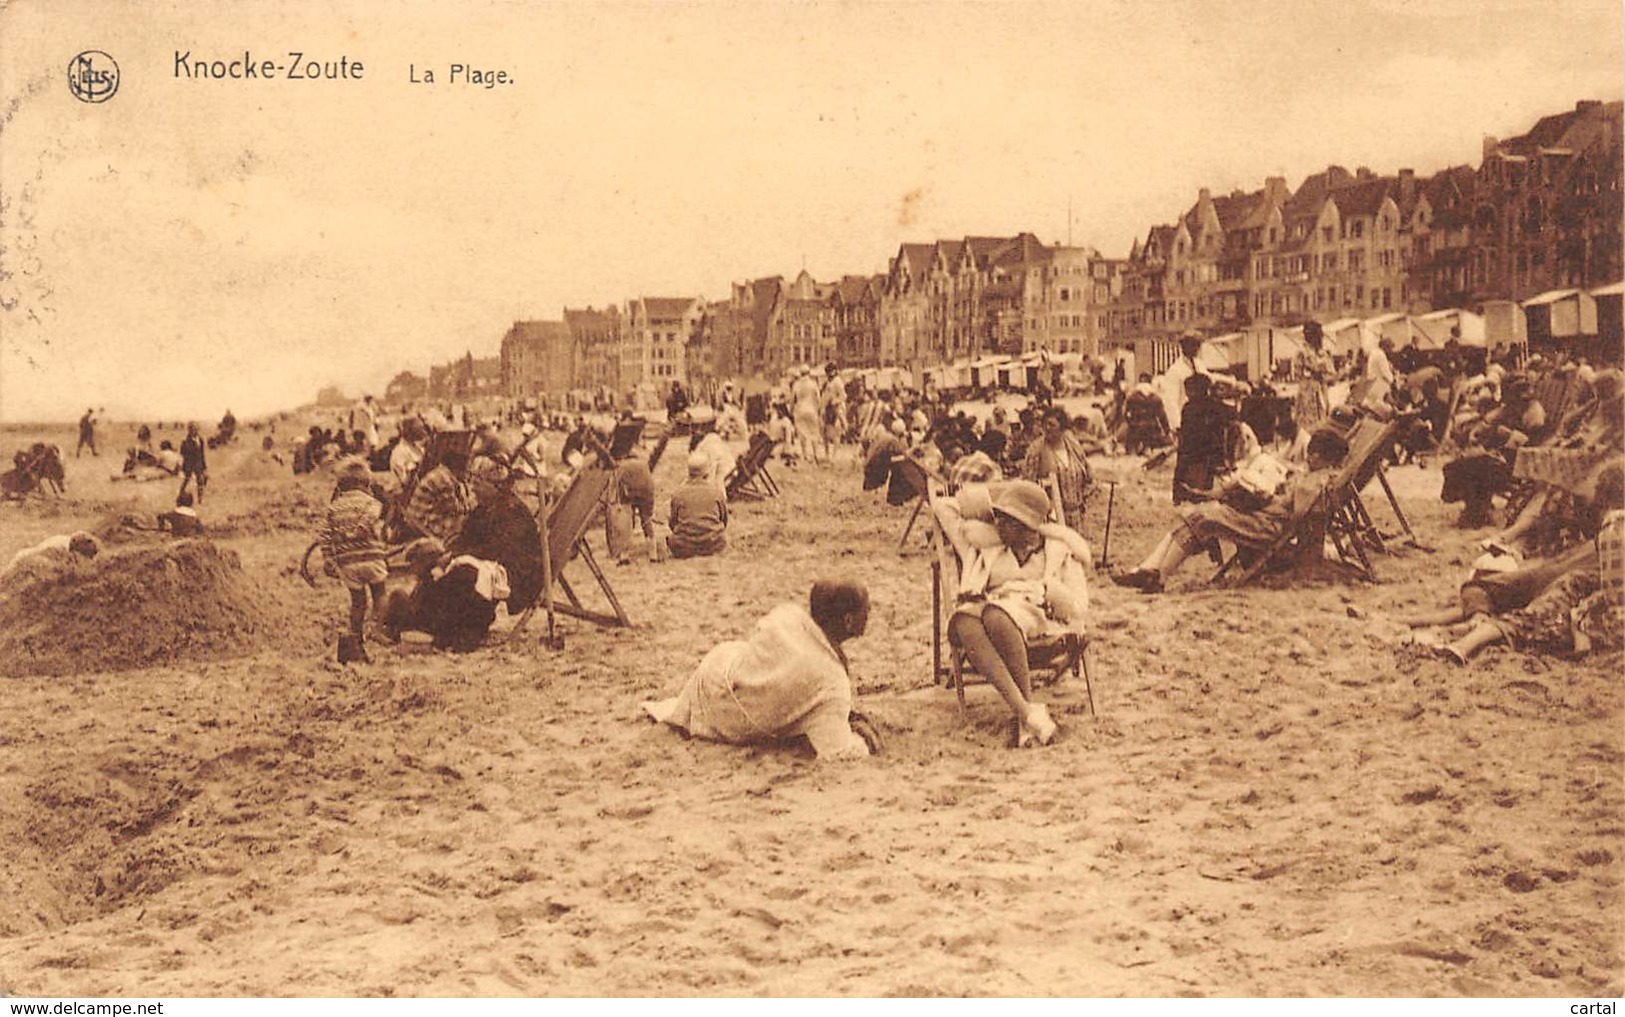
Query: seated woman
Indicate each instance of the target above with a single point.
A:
(454, 599)
(787, 679)
(502, 529)
(1255, 527)
(1014, 573)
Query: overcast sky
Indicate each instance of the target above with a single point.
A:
(193, 245)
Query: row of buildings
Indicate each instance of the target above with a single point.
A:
(1542, 211)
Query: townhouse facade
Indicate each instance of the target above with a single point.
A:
(654, 346)
(1541, 212)
(596, 334)
(537, 358)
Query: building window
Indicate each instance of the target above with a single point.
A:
(1356, 229)
(1326, 234)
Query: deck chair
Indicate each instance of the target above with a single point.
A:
(1051, 655)
(1338, 514)
(920, 478)
(750, 477)
(565, 530)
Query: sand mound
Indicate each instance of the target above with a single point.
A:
(258, 465)
(132, 608)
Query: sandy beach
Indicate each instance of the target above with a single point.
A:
(1278, 796)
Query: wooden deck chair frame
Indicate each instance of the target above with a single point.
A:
(750, 477)
(919, 477)
(1051, 656)
(564, 530)
(1338, 514)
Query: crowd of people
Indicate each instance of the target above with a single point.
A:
(1008, 481)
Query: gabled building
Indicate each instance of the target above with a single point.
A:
(905, 308)
(597, 337)
(1547, 210)
(803, 332)
(654, 346)
(855, 304)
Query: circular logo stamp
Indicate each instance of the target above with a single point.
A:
(93, 76)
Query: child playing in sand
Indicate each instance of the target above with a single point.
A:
(354, 549)
(182, 520)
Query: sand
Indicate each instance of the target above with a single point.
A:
(1277, 797)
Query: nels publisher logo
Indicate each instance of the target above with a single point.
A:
(93, 76)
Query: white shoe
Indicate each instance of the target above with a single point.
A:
(1038, 721)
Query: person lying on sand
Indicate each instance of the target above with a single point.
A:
(1580, 611)
(1207, 521)
(62, 547)
(787, 678)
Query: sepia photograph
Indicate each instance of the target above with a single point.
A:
(1021, 498)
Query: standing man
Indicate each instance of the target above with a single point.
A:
(834, 401)
(193, 462)
(1174, 391)
(87, 434)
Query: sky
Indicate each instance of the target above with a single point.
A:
(192, 245)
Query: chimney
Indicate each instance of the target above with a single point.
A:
(1204, 195)
(1490, 145)
(1363, 173)
(1407, 185)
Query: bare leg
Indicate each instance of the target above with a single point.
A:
(358, 611)
(1154, 558)
(1011, 645)
(1526, 520)
(970, 633)
(998, 650)
(1482, 635)
(1443, 616)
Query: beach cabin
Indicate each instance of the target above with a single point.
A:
(1344, 337)
(1560, 315)
(1434, 329)
(1504, 324)
(984, 373)
(1610, 331)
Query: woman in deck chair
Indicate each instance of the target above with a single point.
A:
(1257, 525)
(1016, 570)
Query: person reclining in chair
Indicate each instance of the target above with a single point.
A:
(788, 678)
(1016, 571)
(1257, 526)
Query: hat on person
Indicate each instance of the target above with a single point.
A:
(488, 470)
(354, 468)
(1023, 501)
(898, 427)
(424, 551)
(699, 464)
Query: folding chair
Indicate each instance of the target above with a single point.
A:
(920, 478)
(1051, 654)
(1338, 514)
(750, 477)
(564, 529)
